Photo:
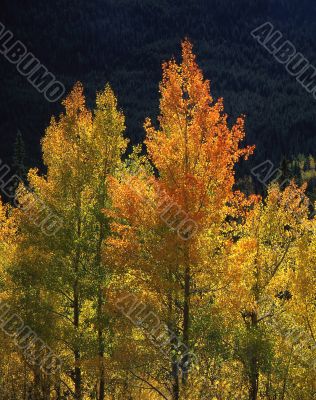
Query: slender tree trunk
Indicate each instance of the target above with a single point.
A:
(100, 292)
(76, 315)
(25, 381)
(254, 365)
(37, 382)
(174, 364)
(77, 377)
(175, 377)
(58, 389)
(186, 324)
(173, 342)
(46, 388)
(254, 379)
(101, 346)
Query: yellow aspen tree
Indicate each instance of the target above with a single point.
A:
(80, 149)
(264, 254)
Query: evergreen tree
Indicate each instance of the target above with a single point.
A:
(19, 156)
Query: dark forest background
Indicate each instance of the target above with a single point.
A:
(125, 42)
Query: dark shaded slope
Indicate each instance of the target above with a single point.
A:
(125, 41)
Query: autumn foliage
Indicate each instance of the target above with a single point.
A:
(164, 280)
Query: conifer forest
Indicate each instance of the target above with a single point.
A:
(157, 200)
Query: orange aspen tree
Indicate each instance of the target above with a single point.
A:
(166, 219)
